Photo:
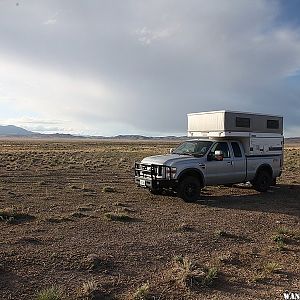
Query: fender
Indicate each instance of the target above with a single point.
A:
(192, 171)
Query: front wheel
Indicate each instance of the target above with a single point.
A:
(189, 189)
(228, 185)
(262, 182)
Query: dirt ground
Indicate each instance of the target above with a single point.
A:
(72, 218)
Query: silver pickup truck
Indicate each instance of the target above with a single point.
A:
(198, 163)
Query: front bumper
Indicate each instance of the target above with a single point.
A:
(154, 184)
(154, 177)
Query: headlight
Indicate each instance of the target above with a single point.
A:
(173, 172)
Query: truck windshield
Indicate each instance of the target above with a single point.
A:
(195, 148)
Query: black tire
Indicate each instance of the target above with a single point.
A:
(228, 185)
(273, 182)
(189, 189)
(262, 181)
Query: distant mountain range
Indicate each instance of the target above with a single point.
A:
(11, 130)
(14, 131)
(293, 140)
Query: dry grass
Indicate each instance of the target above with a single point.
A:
(188, 273)
(91, 262)
(88, 289)
(142, 293)
(272, 267)
(118, 216)
(52, 293)
(11, 215)
(109, 189)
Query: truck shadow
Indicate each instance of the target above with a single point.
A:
(284, 199)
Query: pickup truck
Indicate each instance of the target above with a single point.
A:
(198, 163)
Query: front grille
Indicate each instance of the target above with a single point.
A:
(152, 171)
(143, 170)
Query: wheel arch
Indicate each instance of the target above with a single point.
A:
(192, 172)
(264, 167)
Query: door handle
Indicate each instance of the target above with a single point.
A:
(229, 162)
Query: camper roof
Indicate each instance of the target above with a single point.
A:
(235, 112)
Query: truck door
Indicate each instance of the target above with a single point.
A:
(239, 163)
(219, 171)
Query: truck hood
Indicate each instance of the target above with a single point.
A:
(168, 159)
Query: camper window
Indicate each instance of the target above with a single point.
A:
(273, 124)
(242, 122)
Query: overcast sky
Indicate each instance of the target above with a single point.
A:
(138, 67)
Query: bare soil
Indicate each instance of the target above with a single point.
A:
(70, 214)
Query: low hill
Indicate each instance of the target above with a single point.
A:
(294, 140)
(11, 130)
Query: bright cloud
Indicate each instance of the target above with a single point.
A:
(51, 93)
(147, 36)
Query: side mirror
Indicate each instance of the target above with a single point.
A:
(171, 150)
(219, 155)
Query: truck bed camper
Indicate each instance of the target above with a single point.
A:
(224, 147)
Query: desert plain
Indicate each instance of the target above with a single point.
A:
(73, 225)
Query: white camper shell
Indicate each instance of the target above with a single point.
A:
(260, 134)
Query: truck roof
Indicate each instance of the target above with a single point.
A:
(198, 139)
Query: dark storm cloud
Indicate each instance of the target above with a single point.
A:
(154, 61)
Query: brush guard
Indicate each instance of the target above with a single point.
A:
(154, 177)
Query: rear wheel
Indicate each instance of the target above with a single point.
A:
(274, 182)
(189, 189)
(262, 181)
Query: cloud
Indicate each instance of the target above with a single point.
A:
(142, 66)
(147, 36)
(75, 103)
(50, 22)
(53, 19)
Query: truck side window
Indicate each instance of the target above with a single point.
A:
(223, 147)
(236, 149)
